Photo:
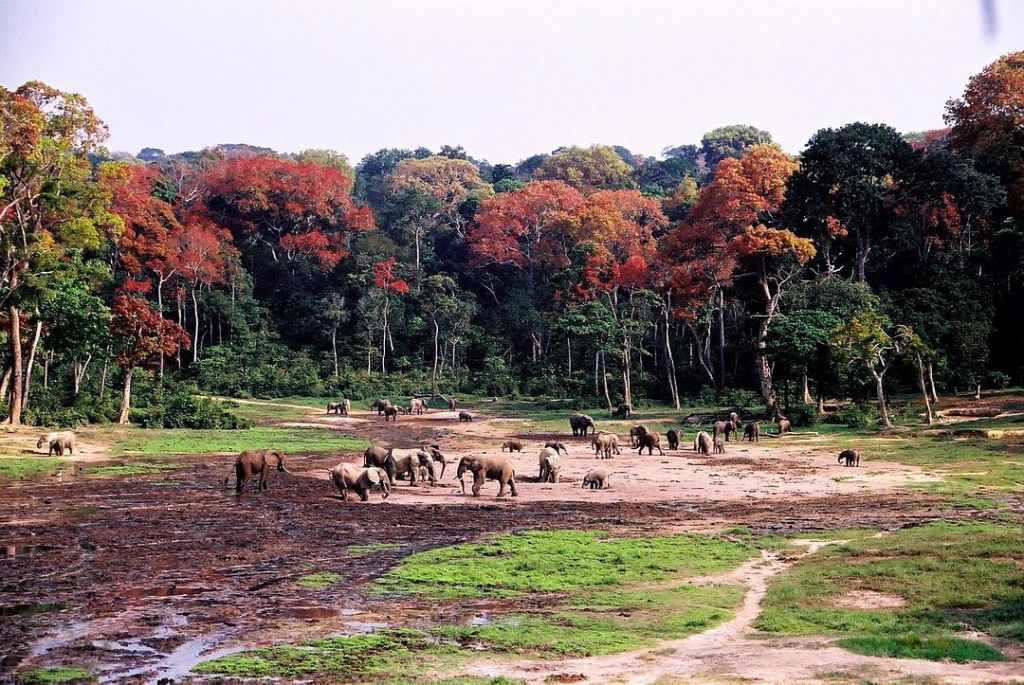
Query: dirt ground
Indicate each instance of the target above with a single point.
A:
(154, 573)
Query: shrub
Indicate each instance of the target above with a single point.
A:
(998, 380)
(854, 416)
(802, 415)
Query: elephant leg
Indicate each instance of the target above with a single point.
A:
(661, 451)
(478, 481)
(414, 475)
(364, 494)
(512, 484)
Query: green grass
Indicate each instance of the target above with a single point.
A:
(186, 441)
(558, 561)
(56, 674)
(917, 647)
(349, 657)
(318, 581)
(952, 576)
(129, 469)
(13, 468)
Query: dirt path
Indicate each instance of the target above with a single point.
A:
(729, 652)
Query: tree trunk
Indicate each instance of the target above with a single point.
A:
(924, 391)
(126, 397)
(384, 337)
(604, 380)
(568, 353)
(5, 383)
(627, 390)
(931, 383)
(433, 375)
(880, 392)
(160, 308)
(103, 376)
(721, 339)
(977, 393)
(670, 366)
(17, 379)
(31, 362)
(79, 373)
(334, 347)
(195, 316)
(807, 399)
(764, 371)
(597, 367)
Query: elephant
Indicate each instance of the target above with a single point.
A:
(512, 446)
(702, 443)
(622, 411)
(596, 479)
(650, 441)
(390, 412)
(417, 405)
(251, 463)
(784, 425)
(380, 404)
(558, 446)
(734, 418)
(580, 423)
(724, 427)
(334, 407)
(465, 416)
(719, 445)
(375, 455)
(346, 406)
(360, 480)
(402, 461)
(752, 432)
(634, 435)
(58, 442)
(606, 444)
(673, 438)
(550, 465)
(851, 457)
(437, 455)
(495, 468)
(452, 403)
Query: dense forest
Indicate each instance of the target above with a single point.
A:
(875, 262)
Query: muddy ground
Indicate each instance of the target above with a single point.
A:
(154, 573)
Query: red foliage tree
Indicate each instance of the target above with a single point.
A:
(141, 335)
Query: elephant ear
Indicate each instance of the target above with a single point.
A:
(373, 475)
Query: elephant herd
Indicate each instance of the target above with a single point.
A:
(390, 411)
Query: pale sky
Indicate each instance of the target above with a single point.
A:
(505, 79)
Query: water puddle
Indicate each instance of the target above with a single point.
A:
(128, 646)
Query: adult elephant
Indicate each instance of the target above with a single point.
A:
(380, 405)
(402, 461)
(417, 405)
(360, 480)
(580, 424)
(493, 468)
(605, 444)
(252, 463)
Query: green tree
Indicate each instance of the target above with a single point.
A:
(730, 141)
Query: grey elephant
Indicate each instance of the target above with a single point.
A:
(402, 461)
(512, 445)
(417, 405)
(580, 424)
(465, 416)
(390, 413)
(493, 468)
(719, 445)
(605, 444)
(724, 428)
(702, 443)
(550, 465)
(437, 455)
(360, 480)
(634, 435)
(375, 455)
(672, 435)
(252, 463)
(380, 404)
(596, 479)
(752, 432)
(622, 411)
(557, 446)
(58, 442)
(850, 457)
(784, 425)
(650, 441)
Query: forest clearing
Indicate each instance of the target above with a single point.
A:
(769, 563)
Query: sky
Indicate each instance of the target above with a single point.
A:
(504, 79)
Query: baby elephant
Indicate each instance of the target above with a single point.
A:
(558, 447)
(752, 432)
(252, 463)
(784, 426)
(512, 446)
(58, 442)
(850, 457)
(360, 480)
(550, 465)
(719, 445)
(673, 438)
(650, 441)
(494, 468)
(465, 416)
(390, 412)
(596, 479)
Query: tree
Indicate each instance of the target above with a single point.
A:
(588, 169)
(729, 141)
(327, 158)
(48, 200)
(841, 196)
(140, 335)
(438, 298)
(870, 339)
(988, 123)
(386, 280)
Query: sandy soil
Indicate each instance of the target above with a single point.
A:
(158, 572)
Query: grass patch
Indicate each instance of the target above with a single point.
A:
(129, 469)
(917, 647)
(347, 658)
(13, 468)
(187, 441)
(56, 674)
(30, 609)
(373, 547)
(952, 576)
(558, 561)
(318, 581)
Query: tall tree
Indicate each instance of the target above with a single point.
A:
(588, 169)
(730, 141)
